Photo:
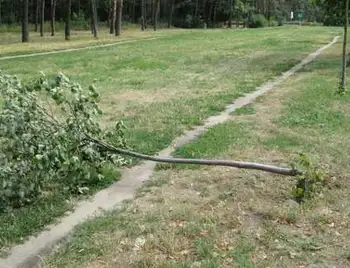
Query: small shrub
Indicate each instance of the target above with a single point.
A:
(79, 22)
(273, 23)
(310, 183)
(44, 139)
(257, 21)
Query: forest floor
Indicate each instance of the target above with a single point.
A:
(222, 217)
(162, 87)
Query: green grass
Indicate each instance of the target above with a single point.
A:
(18, 224)
(222, 217)
(10, 42)
(245, 110)
(162, 87)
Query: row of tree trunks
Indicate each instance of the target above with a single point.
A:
(42, 16)
(116, 16)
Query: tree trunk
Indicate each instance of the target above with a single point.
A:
(118, 21)
(133, 12)
(196, 9)
(42, 18)
(53, 15)
(214, 12)
(170, 13)
(143, 15)
(114, 14)
(343, 72)
(25, 31)
(78, 7)
(36, 15)
(68, 20)
(155, 14)
(230, 15)
(210, 14)
(94, 18)
(205, 17)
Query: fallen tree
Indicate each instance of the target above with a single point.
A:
(50, 137)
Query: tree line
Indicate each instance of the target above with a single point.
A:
(171, 13)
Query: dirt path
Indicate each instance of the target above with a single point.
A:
(75, 49)
(28, 254)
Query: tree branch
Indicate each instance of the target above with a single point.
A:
(237, 164)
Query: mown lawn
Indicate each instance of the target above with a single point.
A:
(162, 87)
(223, 217)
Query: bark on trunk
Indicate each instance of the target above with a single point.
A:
(94, 18)
(143, 15)
(230, 15)
(113, 17)
(36, 15)
(133, 12)
(155, 14)
(215, 11)
(118, 21)
(42, 18)
(346, 23)
(25, 31)
(210, 14)
(68, 20)
(170, 13)
(53, 15)
(196, 9)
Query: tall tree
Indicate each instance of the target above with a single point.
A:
(0, 13)
(231, 6)
(68, 20)
(25, 30)
(143, 15)
(53, 15)
(171, 11)
(133, 11)
(118, 21)
(94, 18)
(42, 17)
(215, 12)
(345, 40)
(155, 14)
(37, 8)
(114, 15)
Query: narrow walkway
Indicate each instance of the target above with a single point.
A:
(75, 49)
(29, 254)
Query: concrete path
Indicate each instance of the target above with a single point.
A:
(29, 254)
